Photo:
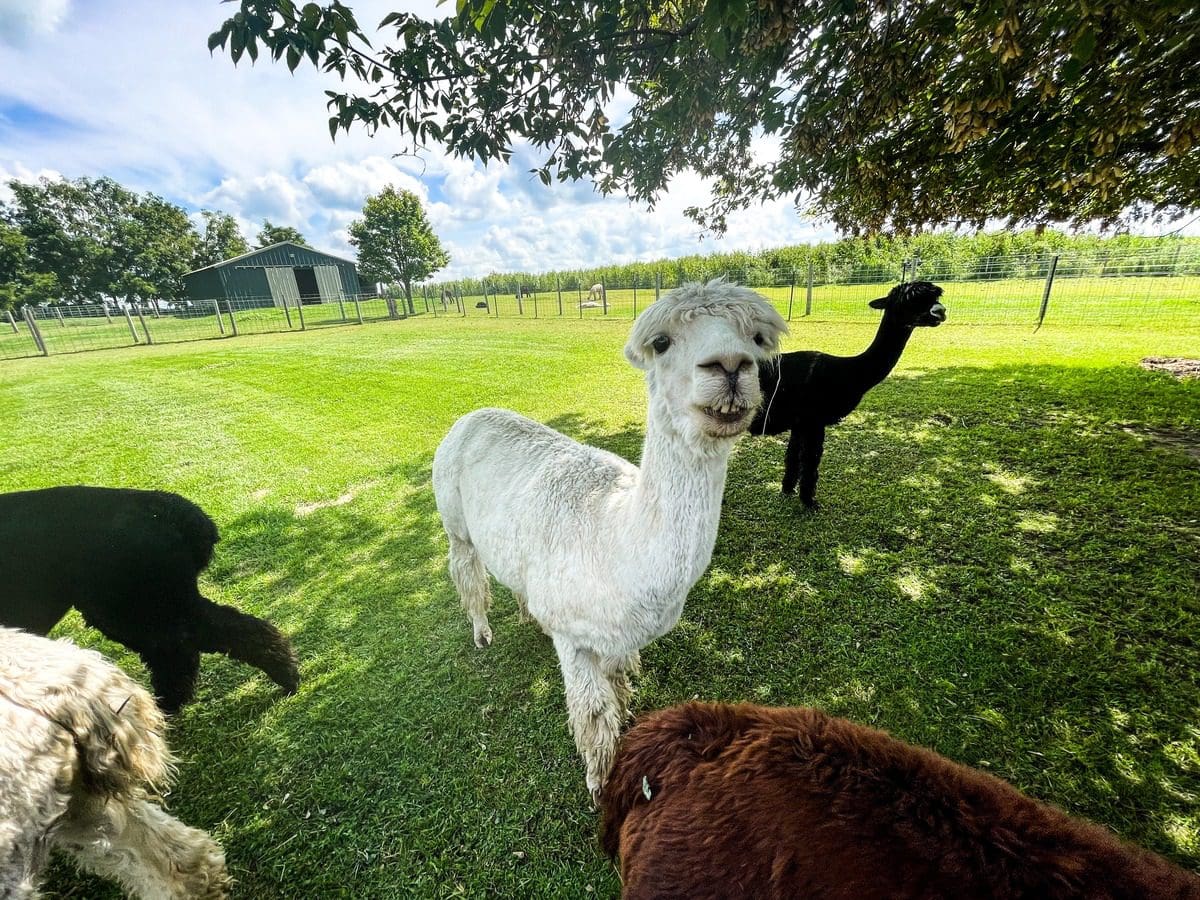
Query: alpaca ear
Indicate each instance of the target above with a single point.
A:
(879, 303)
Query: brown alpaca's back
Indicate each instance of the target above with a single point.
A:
(750, 801)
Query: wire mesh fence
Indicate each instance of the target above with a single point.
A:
(1161, 290)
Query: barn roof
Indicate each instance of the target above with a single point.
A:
(249, 253)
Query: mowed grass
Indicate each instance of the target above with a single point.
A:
(1006, 568)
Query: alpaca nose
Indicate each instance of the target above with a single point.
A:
(730, 365)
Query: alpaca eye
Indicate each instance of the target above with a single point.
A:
(759, 339)
(661, 343)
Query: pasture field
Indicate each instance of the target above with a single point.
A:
(1162, 301)
(1005, 568)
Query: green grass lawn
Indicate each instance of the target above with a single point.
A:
(1006, 568)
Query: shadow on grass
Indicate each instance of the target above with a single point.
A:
(1000, 571)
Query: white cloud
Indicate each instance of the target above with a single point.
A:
(23, 20)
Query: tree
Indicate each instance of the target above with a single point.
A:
(395, 241)
(14, 265)
(888, 114)
(220, 240)
(87, 239)
(274, 234)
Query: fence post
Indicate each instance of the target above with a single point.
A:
(535, 305)
(142, 319)
(579, 290)
(520, 299)
(220, 322)
(791, 293)
(657, 285)
(300, 312)
(129, 321)
(604, 294)
(558, 288)
(104, 306)
(232, 320)
(425, 296)
(12, 322)
(342, 306)
(61, 320)
(808, 296)
(635, 296)
(154, 309)
(36, 333)
(287, 312)
(358, 309)
(1046, 290)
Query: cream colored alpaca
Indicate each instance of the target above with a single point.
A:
(81, 748)
(600, 552)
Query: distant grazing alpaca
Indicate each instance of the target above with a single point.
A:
(807, 390)
(81, 753)
(128, 561)
(596, 293)
(716, 801)
(600, 552)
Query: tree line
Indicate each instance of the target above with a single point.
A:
(92, 239)
(1000, 254)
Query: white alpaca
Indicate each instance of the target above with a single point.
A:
(81, 750)
(596, 293)
(600, 552)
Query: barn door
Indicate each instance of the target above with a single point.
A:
(284, 289)
(329, 282)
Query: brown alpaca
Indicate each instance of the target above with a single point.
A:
(749, 801)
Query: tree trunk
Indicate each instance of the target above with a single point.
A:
(408, 296)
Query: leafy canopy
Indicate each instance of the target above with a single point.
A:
(395, 241)
(220, 240)
(886, 114)
(91, 238)
(275, 234)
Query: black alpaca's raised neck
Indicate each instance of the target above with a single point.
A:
(878, 360)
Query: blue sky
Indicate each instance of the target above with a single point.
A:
(128, 89)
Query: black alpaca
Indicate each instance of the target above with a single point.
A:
(128, 561)
(807, 391)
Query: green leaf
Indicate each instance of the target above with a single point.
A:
(1084, 46)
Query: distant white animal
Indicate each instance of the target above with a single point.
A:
(600, 552)
(596, 293)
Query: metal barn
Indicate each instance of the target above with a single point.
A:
(272, 276)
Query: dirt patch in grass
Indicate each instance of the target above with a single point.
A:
(1179, 366)
(1182, 440)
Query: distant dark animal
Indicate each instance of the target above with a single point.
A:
(481, 304)
(710, 801)
(128, 561)
(807, 391)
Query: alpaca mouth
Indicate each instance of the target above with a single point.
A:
(729, 416)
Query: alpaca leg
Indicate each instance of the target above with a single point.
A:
(592, 710)
(791, 460)
(150, 853)
(810, 461)
(621, 685)
(173, 671)
(522, 608)
(471, 580)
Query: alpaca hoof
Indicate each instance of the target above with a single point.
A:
(788, 491)
(811, 503)
(483, 637)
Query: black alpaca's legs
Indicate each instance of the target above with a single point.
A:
(791, 461)
(810, 461)
(173, 671)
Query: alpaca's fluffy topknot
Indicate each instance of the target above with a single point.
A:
(718, 297)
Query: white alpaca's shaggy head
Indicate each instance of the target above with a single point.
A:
(701, 346)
